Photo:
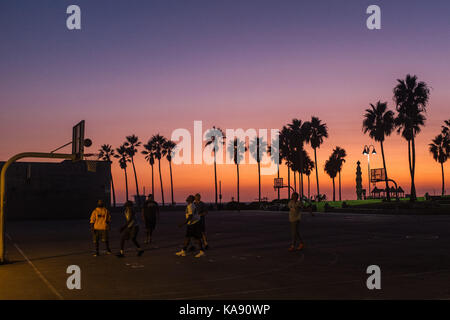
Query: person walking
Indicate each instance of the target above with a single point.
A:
(100, 221)
(295, 207)
(202, 211)
(129, 230)
(192, 230)
(150, 216)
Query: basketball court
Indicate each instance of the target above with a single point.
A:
(248, 259)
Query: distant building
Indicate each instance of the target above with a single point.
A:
(65, 190)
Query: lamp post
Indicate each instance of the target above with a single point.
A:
(366, 151)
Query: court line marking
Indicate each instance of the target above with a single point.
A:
(49, 285)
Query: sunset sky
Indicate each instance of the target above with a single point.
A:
(148, 67)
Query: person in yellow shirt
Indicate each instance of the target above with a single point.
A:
(100, 222)
(295, 214)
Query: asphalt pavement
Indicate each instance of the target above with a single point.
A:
(247, 259)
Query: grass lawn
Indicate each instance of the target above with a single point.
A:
(338, 204)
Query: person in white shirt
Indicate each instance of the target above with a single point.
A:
(192, 230)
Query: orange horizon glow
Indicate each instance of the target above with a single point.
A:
(190, 179)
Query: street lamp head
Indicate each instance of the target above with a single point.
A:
(365, 151)
(373, 151)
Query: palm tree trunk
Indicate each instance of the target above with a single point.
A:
(300, 176)
(301, 182)
(388, 196)
(113, 190)
(334, 191)
(126, 183)
(309, 196)
(413, 186)
(160, 181)
(410, 167)
(135, 179)
(443, 184)
(317, 173)
(215, 176)
(238, 203)
(278, 176)
(295, 181)
(171, 181)
(259, 182)
(340, 198)
(153, 184)
(289, 182)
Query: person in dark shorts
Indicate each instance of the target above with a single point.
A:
(202, 211)
(129, 230)
(100, 222)
(295, 214)
(150, 216)
(192, 229)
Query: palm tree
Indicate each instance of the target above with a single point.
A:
(123, 156)
(158, 144)
(105, 153)
(438, 148)
(331, 168)
(299, 135)
(237, 149)
(340, 155)
(274, 151)
(317, 132)
(285, 152)
(307, 169)
(446, 133)
(379, 122)
(150, 157)
(131, 144)
(446, 127)
(411, 98)
(258, 148)
(216, 138)
(169, 147)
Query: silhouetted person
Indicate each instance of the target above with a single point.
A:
(129, 230)
(150, 215)
(100, 222)
(192, 229)
(202, 211)
(295, 207)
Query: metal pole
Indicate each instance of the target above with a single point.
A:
(3, 188)
(61, 147)
(368, 172)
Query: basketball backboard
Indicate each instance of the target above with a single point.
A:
(278, 182)
(78, 140)
(377, 175)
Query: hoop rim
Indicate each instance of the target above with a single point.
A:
(88, 155)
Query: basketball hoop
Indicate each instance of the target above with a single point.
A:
(91, 164)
